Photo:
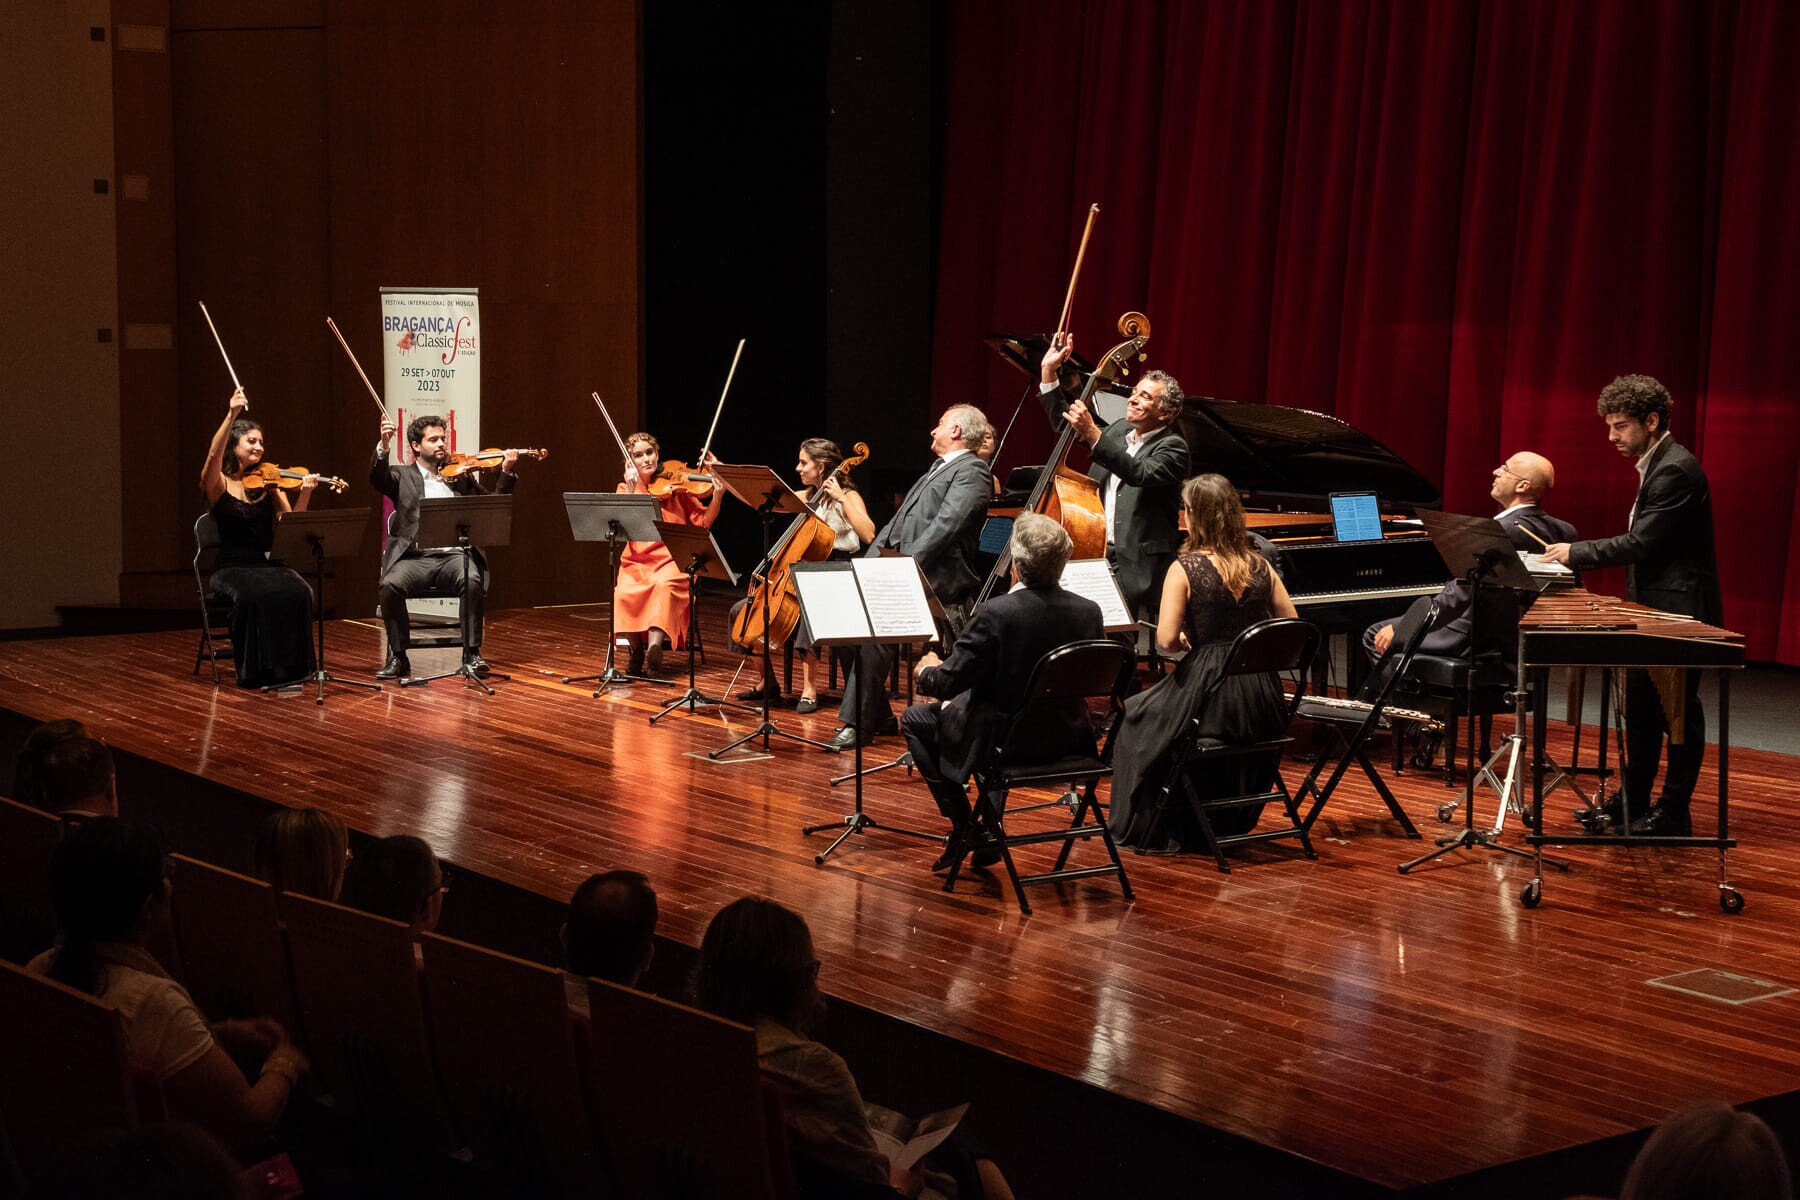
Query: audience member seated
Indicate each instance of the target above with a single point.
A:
(303, 850)
(398, 878)
(109, 882)
(28, 766)
(1710, 1151)
(757, 968)
(76, 780)
(610, 933)
(1218, 587)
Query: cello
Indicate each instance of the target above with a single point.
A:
(1064, 494)
(773, 611)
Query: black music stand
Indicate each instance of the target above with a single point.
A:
(334, 533)
(462, 522)
(695, 546)
(612, 517)
(1479, 550)
(873, 628)
(765, 491)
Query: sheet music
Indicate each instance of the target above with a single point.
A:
(894, 594)
(833, 604)
(1535, 563)
(1092, 578)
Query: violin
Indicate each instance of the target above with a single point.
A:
(288, 479)
(773, 612)
(677, 476)
(484, 460)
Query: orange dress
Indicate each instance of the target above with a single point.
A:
(652, 590)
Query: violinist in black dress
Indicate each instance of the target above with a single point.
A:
(271, 605)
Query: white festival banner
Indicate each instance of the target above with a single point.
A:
(431, 366)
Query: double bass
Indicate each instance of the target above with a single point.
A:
(773, 611)
(1064, 494)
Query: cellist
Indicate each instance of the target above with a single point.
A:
(1140, 464)
(836, 502)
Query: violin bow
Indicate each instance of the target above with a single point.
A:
(1062, 322)
(373, 394)
(726, 391)
(220, 343)
(623, 449)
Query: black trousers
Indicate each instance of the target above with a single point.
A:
(919, 725)
(1645, 728)
(420, 575)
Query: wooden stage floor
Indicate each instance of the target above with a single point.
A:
(1401, 1031)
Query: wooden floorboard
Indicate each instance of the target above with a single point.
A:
(1404, 1030)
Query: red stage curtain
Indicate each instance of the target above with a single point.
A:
(1449, 224)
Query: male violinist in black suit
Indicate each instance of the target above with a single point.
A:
(939, 524)
(1140, 464)
(1519, 487)
(1671, 565)
(408, 571)
(982, 683)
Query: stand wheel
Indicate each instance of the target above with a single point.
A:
(1533, 894)
(1446, 813)
(1731, 900)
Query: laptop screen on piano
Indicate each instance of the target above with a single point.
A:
(1355, 517)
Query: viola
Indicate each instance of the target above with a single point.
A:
(773, 612)
(677, 476)
(484, 460)
(288, 479)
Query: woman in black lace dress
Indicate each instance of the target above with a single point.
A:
(271, 605)
(1216, 589)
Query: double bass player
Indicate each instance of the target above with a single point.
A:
(1139, 464)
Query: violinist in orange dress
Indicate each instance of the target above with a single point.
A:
(650, 597)
(835, 501)
(271, 605)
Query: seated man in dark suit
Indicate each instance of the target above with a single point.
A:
(408, 571)
(983, 681)
(1520, 485)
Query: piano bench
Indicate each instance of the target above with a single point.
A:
(1440, 686)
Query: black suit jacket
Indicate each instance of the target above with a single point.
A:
(1146, 519)
(939, 524)
(1668, 552)
(406, 487)
(985, 675)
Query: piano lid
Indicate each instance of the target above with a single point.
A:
(1278, 456)
(1026, 352)
(1282, 455)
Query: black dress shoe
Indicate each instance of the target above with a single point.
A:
(1663, 822)
(955, 847)
(396, 667)
(756, 695)
(987, 850)
(634, 662)
(887, 726)
(1600, 815)
(477, 664)
(844, 739)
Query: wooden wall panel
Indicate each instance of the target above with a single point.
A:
(498, 149)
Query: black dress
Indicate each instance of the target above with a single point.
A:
(271, 605)
(1246, 708)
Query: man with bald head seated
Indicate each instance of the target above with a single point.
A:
(1520, 485)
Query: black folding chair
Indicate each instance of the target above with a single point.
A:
(215, 611)
(1351, 723)
(1280, 645)
(1078, 671)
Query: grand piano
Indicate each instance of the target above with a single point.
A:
(1285, 463)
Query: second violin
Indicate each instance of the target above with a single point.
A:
(288, 479)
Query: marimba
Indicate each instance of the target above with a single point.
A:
(1577, 628)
